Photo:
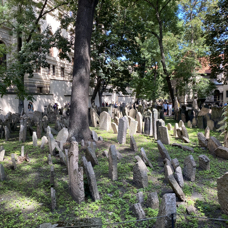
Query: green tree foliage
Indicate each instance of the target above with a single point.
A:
(217, 38)
(24, 18)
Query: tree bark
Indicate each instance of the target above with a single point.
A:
(79, 122)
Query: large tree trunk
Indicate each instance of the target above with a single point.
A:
(79, 123)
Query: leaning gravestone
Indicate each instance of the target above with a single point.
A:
(213, 144)
(94, 136)
(116, 120)
(105, 121)
(34, 139)
(62, 135)
(133, 127)
(133, 144)
(91, 156)
(144, 158)
(184, 132)
(175, 163)
(179, 176)
(164, 153)
(202, 139)
(132, 113)
(138, 211)
(141, 163)
(176, 188)
(44, 141)
(159, 123)
(122, 131)
(222, 187)
(76, 174)
(164, 135)
(204, 162)
(112, 160)
(190, 168)
(114, 128)
(140, 177)
(222, 152)
(152, 200)
(169, 126)
(91, 179)
(167, 211)
(139, 119)
(2, 154)
(2, 173)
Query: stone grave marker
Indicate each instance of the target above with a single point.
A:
(159, 123)
(112, 160)
(141, 163)
(164, 135)
(2, 154)
(132, 113)
(94, 136)
(140, 123)
(184, 132)
(222, 152)
(210, 124)
(175, 130)
(114, 128)
(34, 139)
(154, 121)
(52, 177)
(189, 124)
(62, 135)
(169, 126)
(152, 200)
(190, 168)
(164, 153)
(179, 176)
(207, 132)
(22, 151)
(2, 173)
(13, 161)
(213, 144)
(122, 131)
(222, 188)
(194, 122)
(175, 163)
(105, 121)
(176, 188)
(51, 143)
(138, 211)
(91, 156)
(204, 162)
(53, 199)
(144, 157)
(140, 197)
(133, 127)
(49, 159)
(7, 133)
(116, 120)
(133, 144)
(140, 177)
(202, 140)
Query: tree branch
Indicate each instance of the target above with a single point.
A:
(150, 3)
(164, 6)
(155, 34)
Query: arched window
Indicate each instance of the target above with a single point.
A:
(2, 54)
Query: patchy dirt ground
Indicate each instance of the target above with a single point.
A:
(25, 199)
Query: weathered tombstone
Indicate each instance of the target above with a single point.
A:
(140, 197)
(91, 179)
(190, 168)
(175, 163)
(207, 133)
(181, 123)
(168, 169)
(138, 211)
(211, 124)
(13, 161)
(93, 116)
(133, 144)
(114, 128)
(62, 135)
(76, 174)
(49, 159)
(67, 161)
(122, 131)
(82, 142)
(91, 156)
(7, 133)
(53, 199)
(144, 157)
(200, 122)
(222, 187)
(39, 129)
(52, 177)
(175, 130)
(22, 151)
(179, 132)
(94, 136)
(44, 141)
(2, 173)
(159, 123)
(221, 152)
(167, 211)
(127, 121)
(116, 120)
(34, 139)
(112, 160)
(133, 127)
(202, 139)
(152, 200)
(51, 142)
(164, 135)
(147, 124)
(213, 144)
(179, 176)
(154, 121)
(2, 154)
(184, 132)
(48, 131)
(169, 126)
(189, 124)
(140, 177)
(105, 121)
(139, 119)
(175, 186)
(132, 113)
(164, 153)
(141, 163)
(204, 162)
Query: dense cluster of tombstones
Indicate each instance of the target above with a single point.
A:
(124, 120)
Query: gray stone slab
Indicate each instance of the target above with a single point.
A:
(112, 160)
(164, 153)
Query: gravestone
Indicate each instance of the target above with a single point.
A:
(13, 161)
(175, 130)
(168, 169)
(140, 197)
(207, 133)
(167, 211)
(114, 128)
(194, 122)
(147, 124)
(122, 131)
(112, 160)
(152, 200)
(222, 188)
(2, 154)
(34, 139)
(154, 121)
(105, 121)
(51, 143)
(164, 153)
(2, 173)
(132, 113)
(93, 116)
(144, 158)
(200, 122)
(116, 120)
(179, 176)
(221, 152)
(176, 188)
(127, 121)
(76, 174)
(49, 159)
(140, 177)
(62, 135)
(202, 139)
(164, 135)
(94, 136)
(190, 168)
(91, 179)
(133, 127)
(175, 163)
(140, 123)
(211, 124)
(133, 144)
(7, 133)
(184, 132)
(53, 199)
(213, 144)
(138, 211)
(141, 163)
(44, 141)
(22, 151)
(189, 124)
(159, 123)
(169, 126)
(39, 129)
(91, 156)
(204, 162)
(52, 177)
(181, 123)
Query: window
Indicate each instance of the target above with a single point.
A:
(53, 70)
(38, 69)
(227, 93)
(62, 71)
(39, 89)
(49, 69)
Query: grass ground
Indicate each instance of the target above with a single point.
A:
(25, 199)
